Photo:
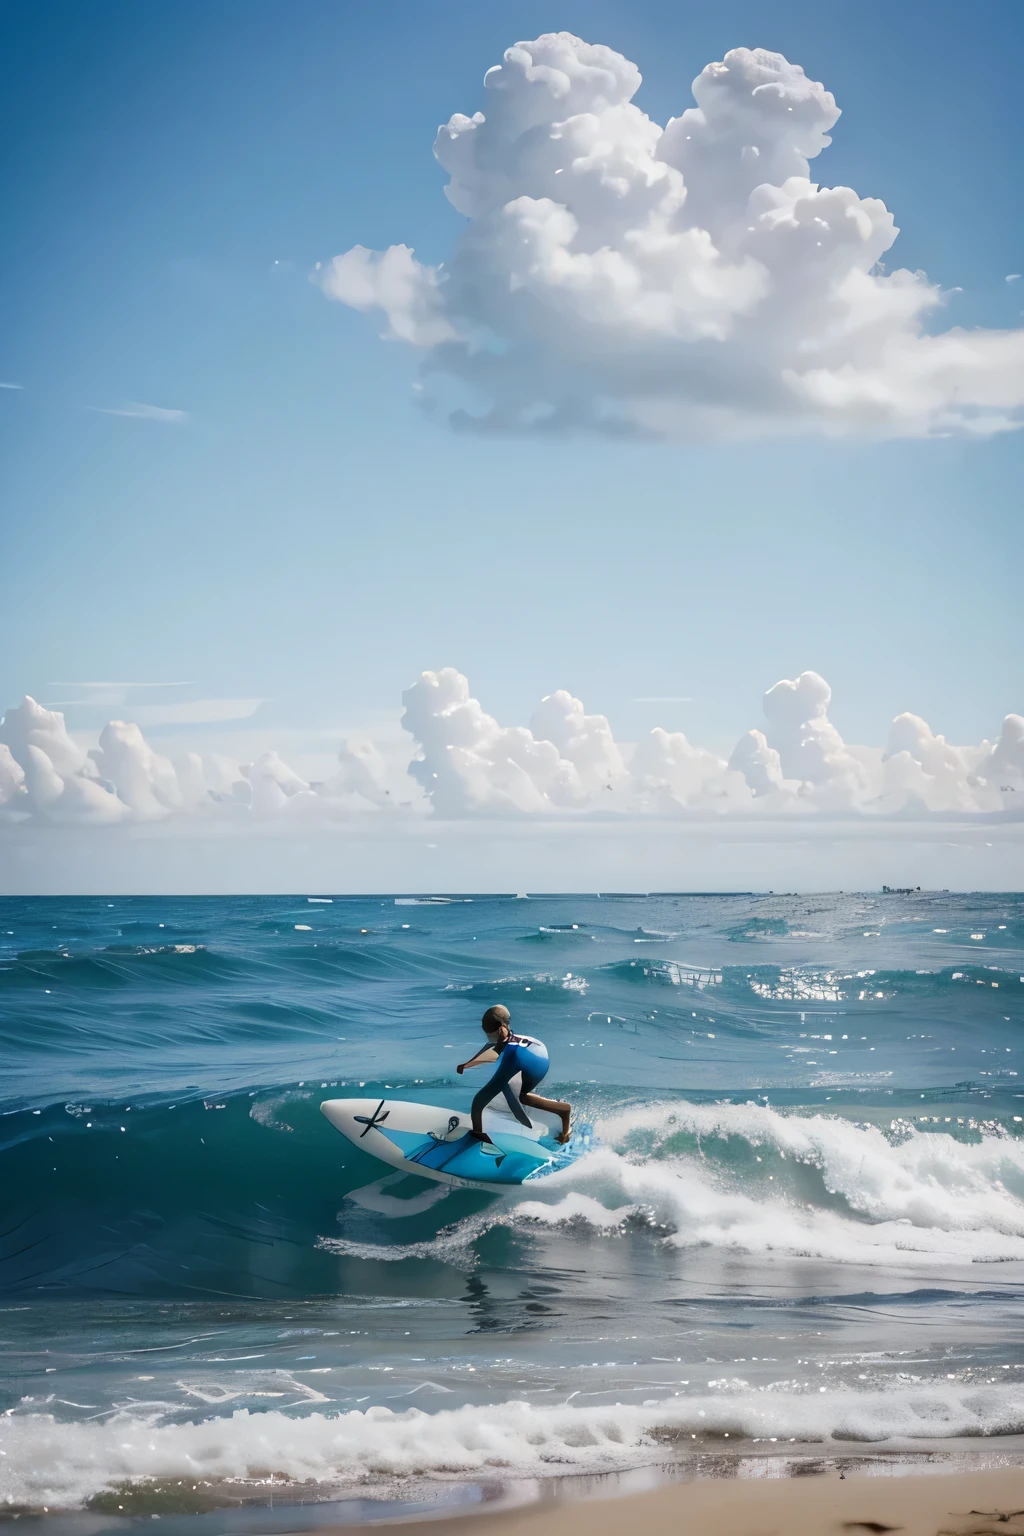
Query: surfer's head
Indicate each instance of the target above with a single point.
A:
(495, 1023)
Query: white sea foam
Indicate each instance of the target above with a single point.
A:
(62, 1465)
(745, 1177)
(836, 1190)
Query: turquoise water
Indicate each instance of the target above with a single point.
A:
(804, 1223)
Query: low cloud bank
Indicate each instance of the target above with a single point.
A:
(689, 281)
(462, 764)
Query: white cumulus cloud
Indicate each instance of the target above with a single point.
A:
(362, 771)
(566, 761)
(669, 772)
(586, 741)
(146, 782)
(13, 796)
(466, 762)
(685, 281)
(1006, 759)
(461, 762)
(809, 747)
(60, 782)
(925, 766)
(760, 764)
(273, 783)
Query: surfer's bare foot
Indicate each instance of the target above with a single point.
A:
(553, 1107)
(481, 1136)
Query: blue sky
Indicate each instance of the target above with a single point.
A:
(307, 537)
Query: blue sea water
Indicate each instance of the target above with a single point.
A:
(803, 1225)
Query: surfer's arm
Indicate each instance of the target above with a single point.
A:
(487, 1054)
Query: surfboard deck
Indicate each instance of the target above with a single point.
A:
(434, 1142)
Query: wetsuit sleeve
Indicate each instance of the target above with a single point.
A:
(488, 1054)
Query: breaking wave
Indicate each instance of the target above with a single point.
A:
(61, 1464)
(247, 1192)
(747, 1178)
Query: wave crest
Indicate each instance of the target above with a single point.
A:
(64, 1465)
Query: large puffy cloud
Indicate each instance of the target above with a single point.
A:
(30, 725)
(1004, 764)
(205, 777)
(809, 747)
(669, 772)
(584, 740)
(46, 773)
(565, 761)
(461, 762)
(466, 762)
(13, 795)
(760, 764)
(141, 778)
(59, 781)
(922, 765)
(685, 281)
(363, 772)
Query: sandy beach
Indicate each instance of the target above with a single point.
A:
(984, 1502)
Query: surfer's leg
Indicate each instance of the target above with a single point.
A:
(534, 1071)
(508, 1066)
(554, 1107)
(511, 1097)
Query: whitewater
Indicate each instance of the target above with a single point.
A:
(801, 1226)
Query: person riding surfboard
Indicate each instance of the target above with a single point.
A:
(515, 1054)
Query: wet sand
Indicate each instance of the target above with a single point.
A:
(983, 1502)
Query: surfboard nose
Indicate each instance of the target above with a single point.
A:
(334, 1111)
(342, 1112)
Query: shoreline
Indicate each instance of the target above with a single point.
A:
(572, 1503)
(950, 1500)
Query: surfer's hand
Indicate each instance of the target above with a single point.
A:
(461, 1068)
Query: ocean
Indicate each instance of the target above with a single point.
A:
(800, 1231)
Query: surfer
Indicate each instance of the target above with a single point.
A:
(514, 1054)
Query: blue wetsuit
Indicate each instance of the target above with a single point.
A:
(520, 1053)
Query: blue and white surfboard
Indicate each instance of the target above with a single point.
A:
(435, 1143)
